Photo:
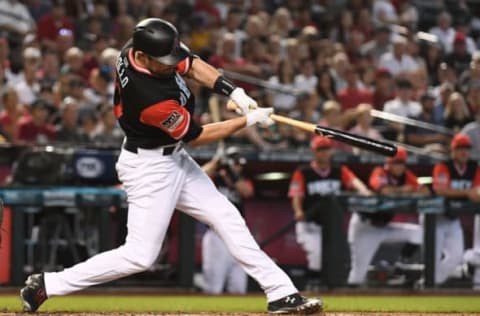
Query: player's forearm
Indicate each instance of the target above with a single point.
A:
(216, 131)
(203, 73)
(451, 193)
(360, 187)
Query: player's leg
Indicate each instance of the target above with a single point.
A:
(237, 278)
(453, 249)
(152, 187)
(440, 240)
(404, 232)
(201, 199)
(364, 240)
(215, 263)
(309, 236)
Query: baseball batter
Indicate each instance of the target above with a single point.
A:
(456, 179)
(309, 184)
(367, 231)
(154, 107)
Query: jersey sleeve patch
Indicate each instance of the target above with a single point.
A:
(169, 116)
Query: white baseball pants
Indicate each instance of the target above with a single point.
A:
(365, 238)
(219, 267)
(449, 247)
(155, 186)
(472, 256)
(309, 236)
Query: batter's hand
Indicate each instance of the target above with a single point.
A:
(260, 116)
(244, 102)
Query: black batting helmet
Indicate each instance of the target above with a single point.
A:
(159, 39)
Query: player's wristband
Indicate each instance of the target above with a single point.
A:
(223, 86)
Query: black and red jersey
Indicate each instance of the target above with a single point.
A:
(310, 182)
(447, 175)
(153, 110)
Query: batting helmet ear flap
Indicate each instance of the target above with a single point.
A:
(159, 39)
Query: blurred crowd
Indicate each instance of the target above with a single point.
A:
(322, 61)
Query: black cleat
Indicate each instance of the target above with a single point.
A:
(295, 304)
(33, 294)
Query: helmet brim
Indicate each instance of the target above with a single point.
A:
(177, 55)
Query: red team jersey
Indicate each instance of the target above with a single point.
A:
(153, 110)
(380, 178)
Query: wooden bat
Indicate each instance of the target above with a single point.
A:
(366, 143)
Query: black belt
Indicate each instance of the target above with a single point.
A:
(167, 149)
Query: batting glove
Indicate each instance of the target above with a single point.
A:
(243, 101)
(260, 116)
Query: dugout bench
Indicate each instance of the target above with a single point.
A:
(430, 207)
(23, 202)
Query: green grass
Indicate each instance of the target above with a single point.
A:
(193, 304)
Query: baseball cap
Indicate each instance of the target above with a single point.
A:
(400, 156)
(382, 73)
(461, 141)
(320, 142)
(459, 38)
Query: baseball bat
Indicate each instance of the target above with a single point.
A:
(362, 142)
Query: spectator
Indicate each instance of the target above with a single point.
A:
(378, 46)
(398, 62)
(384, 13)
(65, 40)
(68, 129)
(101, 86)
(459, 59)
(15, 19)
(325, 88)
(28, 86)
(444, 30)
(363, 126)
(338, 69)
(11, 114)
(472, 97)
(472, 130)
(367, 231)
(384, 88)
(108, 132)
(281, 23)
(456, 114)
(36, 128)
(432, 56)
(457, 179)
(472, 74)
(74, 62)
(283, 102)
(418, 136)
(50, 24)
(50, 67)
(402, 104)
(306, 81)
(353, 94)
(343, 32)
(232, 26)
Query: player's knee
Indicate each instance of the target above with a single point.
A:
(139, 259)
